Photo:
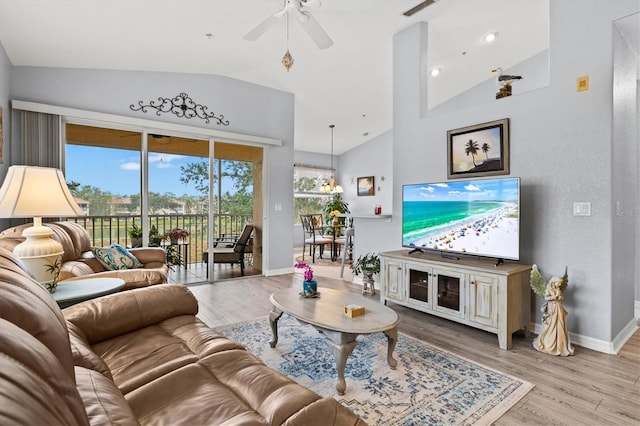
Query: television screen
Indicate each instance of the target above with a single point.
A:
(475, 217)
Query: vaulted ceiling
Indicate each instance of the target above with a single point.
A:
(348, 84)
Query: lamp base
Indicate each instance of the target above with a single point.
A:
(41, 255)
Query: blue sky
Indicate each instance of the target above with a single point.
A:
(468, 190)
(118, 171)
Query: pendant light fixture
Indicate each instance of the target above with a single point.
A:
(331, 187)
(287, 59)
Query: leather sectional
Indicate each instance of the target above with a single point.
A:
(135, 357)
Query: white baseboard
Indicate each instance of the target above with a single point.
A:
(624, 335)
(612, 347)
(272, 272)
(637, 310)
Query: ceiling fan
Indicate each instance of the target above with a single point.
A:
(417, 8)
(305, 18)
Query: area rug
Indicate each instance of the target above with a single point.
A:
(430, 386)
(321, 261)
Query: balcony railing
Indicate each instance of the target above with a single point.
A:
(106, 230)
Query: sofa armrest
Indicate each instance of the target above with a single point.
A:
(149, 254)
(127, 311)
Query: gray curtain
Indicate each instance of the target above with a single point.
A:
(38, 140)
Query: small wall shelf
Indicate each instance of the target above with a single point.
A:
(367, 216)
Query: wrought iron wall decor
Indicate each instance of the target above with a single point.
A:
(182, 106)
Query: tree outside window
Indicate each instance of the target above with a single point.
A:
(307, 197)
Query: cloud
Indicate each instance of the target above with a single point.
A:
(441, 185)
(163, 161)
(472, 187)
(132, 165)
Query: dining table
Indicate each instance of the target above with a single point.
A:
(335, 232)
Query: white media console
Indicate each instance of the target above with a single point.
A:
(471, 291)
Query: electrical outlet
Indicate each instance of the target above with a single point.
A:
(582, 209)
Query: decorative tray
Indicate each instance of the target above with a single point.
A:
(313, 296)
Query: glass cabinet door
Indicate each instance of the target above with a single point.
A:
(419, 285)
(450, 291)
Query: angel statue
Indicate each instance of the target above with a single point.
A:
(553, 338)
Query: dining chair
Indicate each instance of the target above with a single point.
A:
(347, 242)
(313, 228)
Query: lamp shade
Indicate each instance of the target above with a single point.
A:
(30, 191)
(38, 192)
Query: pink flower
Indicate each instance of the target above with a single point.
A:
(308, 272)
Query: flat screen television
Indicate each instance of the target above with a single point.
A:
(473, 217)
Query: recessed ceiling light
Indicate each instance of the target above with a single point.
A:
(434, 72)
(490, 37)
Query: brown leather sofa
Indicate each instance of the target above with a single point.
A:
(135, 357)
(78, 260)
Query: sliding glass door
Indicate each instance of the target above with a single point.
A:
(127, 182)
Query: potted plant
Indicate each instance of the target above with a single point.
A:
(177, 234)
(154, 237)
(369, 265)
(336, 205)
(135, 233)
(309, 285)
(173, 256)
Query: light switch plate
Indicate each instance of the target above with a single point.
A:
(582, 209)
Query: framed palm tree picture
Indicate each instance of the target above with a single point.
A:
(479, 150)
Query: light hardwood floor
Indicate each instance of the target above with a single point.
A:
(589, 388)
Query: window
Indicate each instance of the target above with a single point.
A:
(307, 197)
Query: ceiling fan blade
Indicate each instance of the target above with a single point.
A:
(315, 31)
(419, 7)
(262, 27)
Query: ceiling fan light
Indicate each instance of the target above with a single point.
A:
(287, 60)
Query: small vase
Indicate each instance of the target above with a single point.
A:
(309, 288)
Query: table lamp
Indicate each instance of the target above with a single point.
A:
(38, 192)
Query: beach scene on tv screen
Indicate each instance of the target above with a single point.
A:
(478, 217)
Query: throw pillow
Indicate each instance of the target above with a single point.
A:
(116, 257)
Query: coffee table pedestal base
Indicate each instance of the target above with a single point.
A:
(340, 344)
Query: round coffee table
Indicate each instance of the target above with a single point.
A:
(326, 314)
(71, 292)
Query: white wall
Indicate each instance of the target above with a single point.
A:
(371, 159)
(561, 147)
(251, 109)
(375, 158)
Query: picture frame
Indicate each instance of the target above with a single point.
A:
(478, 150)
(366, 186)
